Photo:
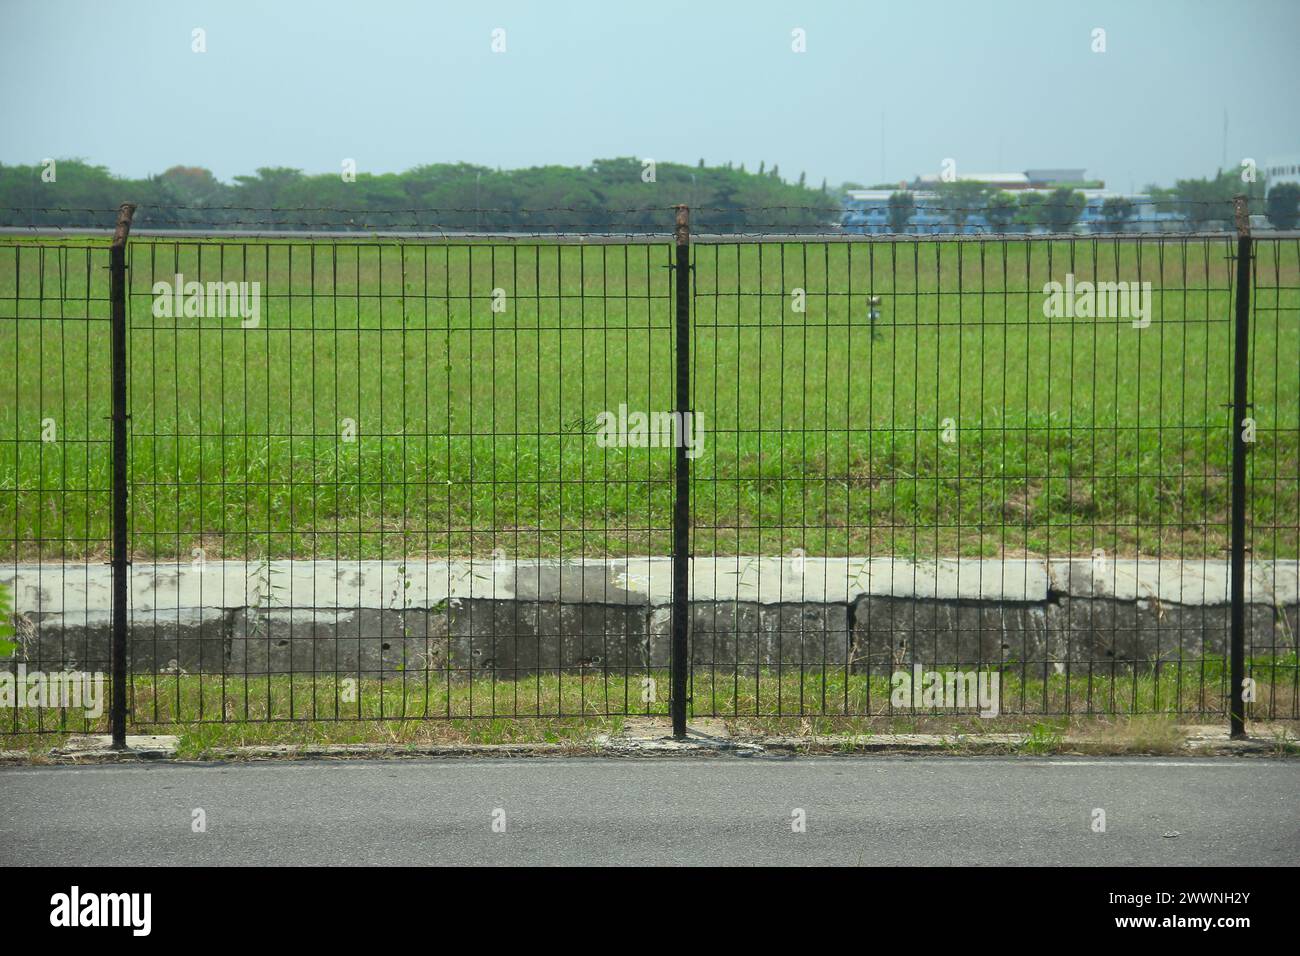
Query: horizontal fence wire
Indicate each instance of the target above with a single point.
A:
(433, 478)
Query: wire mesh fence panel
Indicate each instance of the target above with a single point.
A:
(373, 480)
(981, 476)
(54, 486)
(407, 477)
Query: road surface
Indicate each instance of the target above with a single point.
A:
(729, 810)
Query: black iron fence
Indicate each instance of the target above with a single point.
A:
(305, 478)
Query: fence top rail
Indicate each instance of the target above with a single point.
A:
(626, 238)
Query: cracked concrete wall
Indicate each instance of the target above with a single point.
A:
(515, 619)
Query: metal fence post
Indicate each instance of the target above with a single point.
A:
(681, 501)
(121, 562)
(1240, 370)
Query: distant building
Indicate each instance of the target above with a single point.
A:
(1008, 181)
(866, 211)
(1282, 169)
(1146, 218)
(1013, 182)
(1055, 177)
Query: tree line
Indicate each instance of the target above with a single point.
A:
(608, 195)
(623, 194)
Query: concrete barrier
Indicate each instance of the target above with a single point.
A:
(515, 618)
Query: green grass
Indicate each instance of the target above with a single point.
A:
(815, 701)
(475, 427)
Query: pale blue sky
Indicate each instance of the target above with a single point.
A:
(999, 84)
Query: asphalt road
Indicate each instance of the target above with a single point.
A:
(873, 810)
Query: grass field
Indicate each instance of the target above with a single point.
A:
(474, 428)
(232, 710)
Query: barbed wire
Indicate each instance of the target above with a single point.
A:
(922, 218)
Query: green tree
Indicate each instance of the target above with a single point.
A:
(1161, 199)
(1283, 205)
(267, 188)
(958, 201)
(1116, 211)
(1000, 211)
(1029, 210)
(608, 193)
(194, 184)
(902, 207)
(1203, 201)
(1062, 208)
(1206, 201)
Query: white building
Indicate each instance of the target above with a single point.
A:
(1282, 169)
(998, 180)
